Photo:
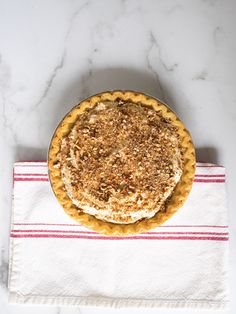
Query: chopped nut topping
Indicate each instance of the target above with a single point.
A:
(121, 161)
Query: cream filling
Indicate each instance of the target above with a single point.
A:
(107, 214)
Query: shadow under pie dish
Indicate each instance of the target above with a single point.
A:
(121, 163)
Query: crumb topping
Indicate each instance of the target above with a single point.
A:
(120, 161)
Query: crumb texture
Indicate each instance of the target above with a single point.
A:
(120, 161)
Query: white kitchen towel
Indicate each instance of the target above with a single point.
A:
(54, 260)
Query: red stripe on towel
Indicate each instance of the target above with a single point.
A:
(91, 232)
(209, 175)
(31, 174)
(29, 165)
(209, 181)
(116, 238)
(30, 179)
(209, 166)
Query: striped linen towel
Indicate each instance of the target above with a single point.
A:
(54, 260)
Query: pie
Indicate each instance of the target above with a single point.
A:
(121, 163)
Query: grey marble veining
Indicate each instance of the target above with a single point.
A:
(54, 53)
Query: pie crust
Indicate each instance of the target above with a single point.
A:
(173, 203)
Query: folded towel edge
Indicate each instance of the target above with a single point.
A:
(15, 297)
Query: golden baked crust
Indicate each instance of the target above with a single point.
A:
(176, 199)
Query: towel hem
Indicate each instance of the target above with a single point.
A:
(115, 302)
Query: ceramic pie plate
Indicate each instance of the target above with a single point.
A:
(178, 196)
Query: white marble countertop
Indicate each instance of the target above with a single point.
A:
(54, 53)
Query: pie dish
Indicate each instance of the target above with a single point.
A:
(121, 163)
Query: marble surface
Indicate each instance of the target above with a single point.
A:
(54, 53)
